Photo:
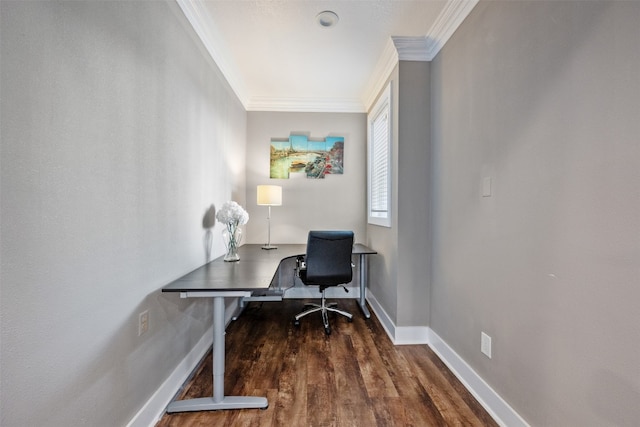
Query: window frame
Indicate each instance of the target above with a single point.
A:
(382, 105)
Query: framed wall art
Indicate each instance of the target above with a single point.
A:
(313, 158)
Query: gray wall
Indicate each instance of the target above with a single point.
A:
(399, 277)
(335, 202)
(383, 268)
(117, 134)
(413, 198)
(544, 98)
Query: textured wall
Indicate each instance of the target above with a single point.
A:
(543, 98)
(399, 277)
(335, 202)
(117, 134)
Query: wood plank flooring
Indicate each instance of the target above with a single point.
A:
(353, 377)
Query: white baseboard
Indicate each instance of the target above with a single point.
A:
(495, 405)
(153, 410)
(155, 407)
(383, 317)
(491, 401)
(399, 335)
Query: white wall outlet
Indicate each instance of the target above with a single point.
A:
(485, 344)
(143, 322)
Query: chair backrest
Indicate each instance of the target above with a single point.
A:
(329, 257)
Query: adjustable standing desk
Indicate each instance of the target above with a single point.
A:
(219, 280)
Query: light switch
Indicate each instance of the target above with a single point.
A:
(485, 344)
(486, 186)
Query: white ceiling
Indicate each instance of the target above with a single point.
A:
(277, 57)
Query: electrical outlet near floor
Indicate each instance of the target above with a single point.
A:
(485, 344)
(143, 322)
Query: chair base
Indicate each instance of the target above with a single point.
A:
(324, 308)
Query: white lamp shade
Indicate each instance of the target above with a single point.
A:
(269, 195)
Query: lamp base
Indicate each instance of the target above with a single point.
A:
(269, 246)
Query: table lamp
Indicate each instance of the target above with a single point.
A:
(269, 195)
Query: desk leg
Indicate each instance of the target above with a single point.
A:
(363, 286)
(219, 400)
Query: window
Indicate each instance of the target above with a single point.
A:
(379, 166)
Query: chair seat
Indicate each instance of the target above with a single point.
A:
(327, 263)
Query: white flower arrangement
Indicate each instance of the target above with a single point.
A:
(233, 214)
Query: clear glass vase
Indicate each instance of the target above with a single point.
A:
(232, 237)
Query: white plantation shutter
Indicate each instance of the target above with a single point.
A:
(379, 181)
(379, 169)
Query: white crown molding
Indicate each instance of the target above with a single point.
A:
(417, 48)
(451, 17)
(317, 105)
(398, 48)
(411, 48)
(387, 62)
(198, 16)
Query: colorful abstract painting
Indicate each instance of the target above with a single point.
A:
(314, 158)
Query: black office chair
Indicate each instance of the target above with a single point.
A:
(327, 263)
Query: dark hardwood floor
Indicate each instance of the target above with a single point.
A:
(353, 377)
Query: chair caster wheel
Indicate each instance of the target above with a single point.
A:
(296, 323)
(327, 331)
(265, 408)
(350, 319)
